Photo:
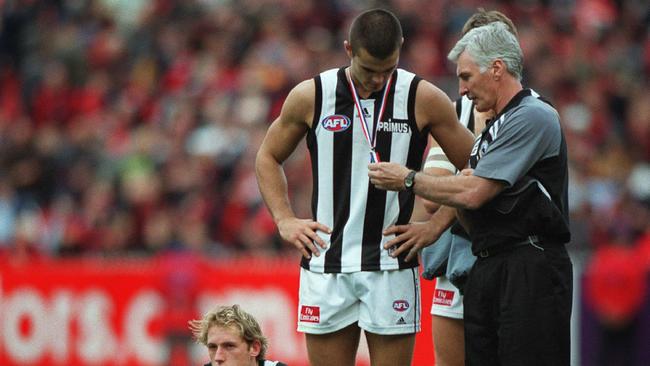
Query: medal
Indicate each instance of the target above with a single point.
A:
(372, 140)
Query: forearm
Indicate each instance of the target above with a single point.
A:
(465, 191)
(457, 191)
(273, 186)
(443, 218)
(420, 210)
(436, 165)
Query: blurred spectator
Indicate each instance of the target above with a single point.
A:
(131, 126)
(616, 282)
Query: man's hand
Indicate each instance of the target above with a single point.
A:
(388, 176)
(301, 233)
(411, 237)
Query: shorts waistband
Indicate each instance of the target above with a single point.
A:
(532, 240)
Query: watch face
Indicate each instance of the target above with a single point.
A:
(408, 181)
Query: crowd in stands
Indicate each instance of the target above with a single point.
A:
(131, 126)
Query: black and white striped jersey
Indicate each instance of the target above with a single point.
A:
(343, 197)
(465, 112)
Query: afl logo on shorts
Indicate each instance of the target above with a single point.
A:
(400, 305)
(336, 123)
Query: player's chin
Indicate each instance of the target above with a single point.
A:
(374, 87)
(480, 106)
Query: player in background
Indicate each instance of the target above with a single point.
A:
(233, 338)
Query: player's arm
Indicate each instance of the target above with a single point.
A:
(435, 163)
(281, 140)
(438, 165)
(433, 109)
(465, 191)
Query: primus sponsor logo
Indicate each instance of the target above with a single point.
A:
(394, 126)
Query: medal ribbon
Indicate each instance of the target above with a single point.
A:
(372, 140)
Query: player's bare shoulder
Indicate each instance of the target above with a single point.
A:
(432, 106)
(299, 105)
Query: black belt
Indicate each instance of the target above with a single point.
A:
(532, 240)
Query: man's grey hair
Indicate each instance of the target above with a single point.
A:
(488, 43)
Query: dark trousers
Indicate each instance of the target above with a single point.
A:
(518, 308)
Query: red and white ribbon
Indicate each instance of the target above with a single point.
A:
(372, 140)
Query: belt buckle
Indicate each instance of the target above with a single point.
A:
(484, 253)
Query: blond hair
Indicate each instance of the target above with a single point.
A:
(484, 17)
(230, 316)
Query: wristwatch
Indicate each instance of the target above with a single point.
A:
(409, 180)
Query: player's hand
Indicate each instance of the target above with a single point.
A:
(410, 238)
(301, 233)
(388, 176)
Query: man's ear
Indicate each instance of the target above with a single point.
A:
(255, 348)
(499, 69)
(348, 48)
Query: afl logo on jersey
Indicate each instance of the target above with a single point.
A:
(336, 123)
(400, 305)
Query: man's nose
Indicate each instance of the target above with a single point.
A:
(219, 355)
(462, 89)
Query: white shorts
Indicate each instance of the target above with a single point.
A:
(382, 302)
(447, 300)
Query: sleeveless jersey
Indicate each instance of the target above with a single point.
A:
(465, 112)
(343, 197)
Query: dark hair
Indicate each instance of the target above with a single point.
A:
(377, 31)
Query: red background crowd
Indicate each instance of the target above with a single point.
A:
(130, 127)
